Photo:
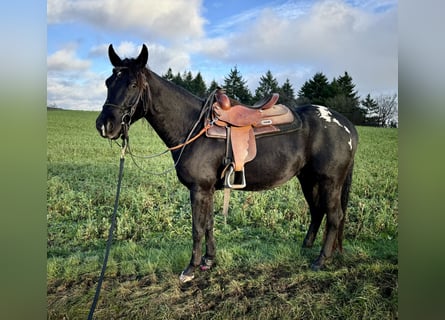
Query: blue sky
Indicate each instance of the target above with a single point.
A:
(292, 39)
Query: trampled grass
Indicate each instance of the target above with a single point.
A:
(261, 272)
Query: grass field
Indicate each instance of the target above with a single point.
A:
(261, 272)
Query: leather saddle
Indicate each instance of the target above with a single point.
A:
(241, 124)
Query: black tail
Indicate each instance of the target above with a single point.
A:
(344, 204)
(346, 189)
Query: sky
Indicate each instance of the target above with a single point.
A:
(292, 39)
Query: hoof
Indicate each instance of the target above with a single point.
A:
(186, 278)
(206, 264)
(318, 264)
(315, 267)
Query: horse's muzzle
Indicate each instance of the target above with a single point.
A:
(107, 129)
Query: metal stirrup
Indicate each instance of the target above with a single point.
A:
(232, 175)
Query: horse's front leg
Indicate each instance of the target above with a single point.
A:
(202, 206)
(209, 258)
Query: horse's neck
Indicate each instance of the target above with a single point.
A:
(173, 112)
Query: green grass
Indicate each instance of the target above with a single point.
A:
(261, 272)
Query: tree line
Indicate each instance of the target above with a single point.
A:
(338, 94)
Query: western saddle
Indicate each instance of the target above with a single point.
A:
(240, 124)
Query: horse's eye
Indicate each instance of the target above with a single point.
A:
(133, 85)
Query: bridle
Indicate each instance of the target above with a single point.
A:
(129, 106)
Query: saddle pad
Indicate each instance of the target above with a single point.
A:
(276, 115)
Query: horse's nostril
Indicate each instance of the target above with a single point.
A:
(110, 126)
(105, 127)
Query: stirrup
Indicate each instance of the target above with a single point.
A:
(232, 175)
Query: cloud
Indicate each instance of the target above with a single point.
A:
(167, 19)
(84, 91)
(215, 48)
(332, 36)
(292, 39)
(66, 59)
(73, 83)
(160, 57)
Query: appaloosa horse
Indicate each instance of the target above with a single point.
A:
(320, 154)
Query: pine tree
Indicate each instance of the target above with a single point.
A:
(316, 90)
(169, 75)
(371, 109)
(187, 79)
(236, 87)
(339, 94)
(346, 86)
(345, 99)
(198, 86)
(213, 86)
(287, 95)
(178, 80)
(268, 85)
(346, 106)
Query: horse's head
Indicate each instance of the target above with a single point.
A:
(127, 96)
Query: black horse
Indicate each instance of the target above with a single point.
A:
(320, 154)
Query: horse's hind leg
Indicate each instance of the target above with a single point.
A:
(331, 200)
(310, 191)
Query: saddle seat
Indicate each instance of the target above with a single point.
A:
(240, 125)
(226, 103)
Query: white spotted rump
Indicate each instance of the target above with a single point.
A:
(327, 116)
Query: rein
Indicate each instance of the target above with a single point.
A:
(203, 130)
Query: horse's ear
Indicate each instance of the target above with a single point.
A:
(114, 58)
(142, 59)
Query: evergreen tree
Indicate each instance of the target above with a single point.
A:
(316, 90)
(178, 80)
(268, 85)
(287, 95)
(236, 87)
(339, 95)
(371, 109)
(345, 99)
(213, 86)
(198, 86)
(345, 86)
(169, 75)
(346, 106)
(187, 79)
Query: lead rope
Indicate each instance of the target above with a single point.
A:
(112, 227)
